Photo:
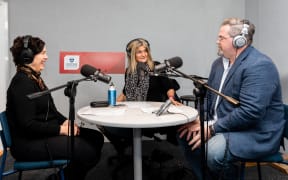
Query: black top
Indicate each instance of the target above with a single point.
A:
(158, 87)
(30, 119)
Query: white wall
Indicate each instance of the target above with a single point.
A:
(186, 28)
(273, 30)
(174, 28)
(4, 73)
(3, 55)
(271, 33)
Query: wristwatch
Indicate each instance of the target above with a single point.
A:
(211, 129)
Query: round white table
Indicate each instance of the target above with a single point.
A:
(137, 115)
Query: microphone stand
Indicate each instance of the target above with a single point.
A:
(200, 92)
(175, 75)
(70, 91)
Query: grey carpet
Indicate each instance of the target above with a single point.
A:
(122, 169)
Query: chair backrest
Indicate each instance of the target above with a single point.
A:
(5, 132)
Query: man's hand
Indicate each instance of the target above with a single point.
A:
(192, 131)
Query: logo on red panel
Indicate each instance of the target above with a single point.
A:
(107, 62)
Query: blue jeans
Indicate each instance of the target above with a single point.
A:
(220, 161)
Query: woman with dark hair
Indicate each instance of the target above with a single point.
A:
(39, 131)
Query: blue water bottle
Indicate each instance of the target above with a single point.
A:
(112, 95)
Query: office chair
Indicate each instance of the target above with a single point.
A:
(186, 99)
(278, 157)
(20, 166)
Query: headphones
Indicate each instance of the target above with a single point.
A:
(26, 54)
(128, 48)
(240, 40)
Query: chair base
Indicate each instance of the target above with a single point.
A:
(281, 167)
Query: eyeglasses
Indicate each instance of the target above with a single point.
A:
(221, 38)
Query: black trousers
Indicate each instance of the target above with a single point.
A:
(86, 153)
(123, 137)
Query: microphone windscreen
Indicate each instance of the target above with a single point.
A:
(141, 67)
(87, 70)
(175, 62)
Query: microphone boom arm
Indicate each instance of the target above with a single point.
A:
(42, 93)
(204, 84)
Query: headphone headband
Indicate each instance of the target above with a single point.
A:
(26, 41)
(128, 49)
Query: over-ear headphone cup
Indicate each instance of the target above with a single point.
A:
(128, 51)
(239, 41)
(27, 56)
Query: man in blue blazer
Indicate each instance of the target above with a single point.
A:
(253, 128)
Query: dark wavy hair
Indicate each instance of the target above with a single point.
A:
(35, 44)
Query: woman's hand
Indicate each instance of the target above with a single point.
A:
(121, 98)
(174, 102)
(65, 129)
(171, 95)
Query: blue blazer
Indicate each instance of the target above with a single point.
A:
(254, 128)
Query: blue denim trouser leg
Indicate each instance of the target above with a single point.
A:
(219, 159)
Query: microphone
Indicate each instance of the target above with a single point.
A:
(94, 74)
(141, 71)
(174, 62)
(163, 107)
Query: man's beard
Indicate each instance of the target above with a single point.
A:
(220, 52)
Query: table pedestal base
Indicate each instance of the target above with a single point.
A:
(137, 153)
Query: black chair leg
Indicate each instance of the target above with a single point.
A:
(259, 171)
(242, 171)
(20, 175)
